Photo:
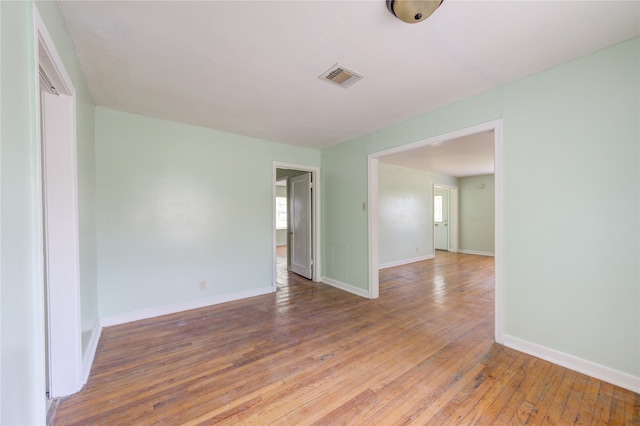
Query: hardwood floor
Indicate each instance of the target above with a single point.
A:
(422, 353)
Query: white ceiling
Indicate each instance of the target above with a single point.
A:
(252, 68)
(471, 155)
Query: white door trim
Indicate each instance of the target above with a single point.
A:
(496, 126)
(315, 216)
(57, 164)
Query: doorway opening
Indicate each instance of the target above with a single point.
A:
(282, 229)
(296, 218)
(445, 217)
(494, 128)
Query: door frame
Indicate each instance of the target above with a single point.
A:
(454, 222)
(56, 167)
(496, 127)
(315, 217)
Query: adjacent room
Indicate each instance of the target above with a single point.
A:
(313, 212)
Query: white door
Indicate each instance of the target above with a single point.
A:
(60, 245)
(300, 231)
(441, 219)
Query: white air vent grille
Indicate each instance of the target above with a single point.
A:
(341, 76)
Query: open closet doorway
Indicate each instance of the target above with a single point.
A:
(56, 133)
(296, 218)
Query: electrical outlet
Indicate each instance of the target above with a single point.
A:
(203, 285)
(417, 249)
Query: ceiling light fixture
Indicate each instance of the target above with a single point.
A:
(413, 11)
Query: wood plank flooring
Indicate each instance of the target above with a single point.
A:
(310, 354)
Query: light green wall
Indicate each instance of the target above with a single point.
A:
(21, 369)
(281, 237)
(172, 210)
(571, 162)
(281, 191)
(405, 212)
(444, 180)
(565, 129)
(22, 393)
(477, 213)
(344, 222)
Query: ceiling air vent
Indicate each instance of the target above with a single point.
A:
(341, 76)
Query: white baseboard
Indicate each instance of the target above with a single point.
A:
(479, 253)
(405, 261)
(192, 304)
(574, 363)
(346, 287)
(90, 353)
